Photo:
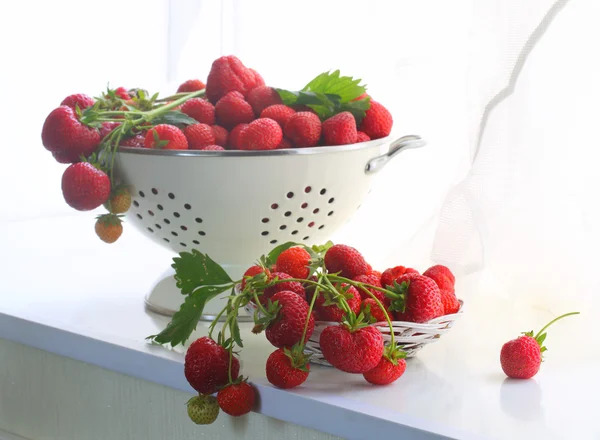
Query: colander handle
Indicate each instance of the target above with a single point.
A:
(404, 143)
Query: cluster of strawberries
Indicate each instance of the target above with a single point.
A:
(291, 294)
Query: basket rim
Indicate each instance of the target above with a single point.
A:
(260, 153)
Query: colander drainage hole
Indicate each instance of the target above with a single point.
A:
(195, 242)
(166, 239)
(150, 212)
(274, 206)
(171, 196)
(316, 211)
(158, 226)
(331, 200)
(330, 213)
(304, 205)
(160, 207)
(307, 189)
(323, 191)
(176, 214)
(290, 195)
(311, 224)
(136, 204)
(154, 191)
(300, 219)
(273, 241)
(141, 193)
(167, 221)
(139, 216)
(150, 229)
(198, 220)
(288, 213)
(187, 206)
(183, 228)
(174, 234)
(321, 227)
(202, 233)
(183, 244)
(306, 238)
(264, 233)
(265, 220)
(294, 232)
(282, 227)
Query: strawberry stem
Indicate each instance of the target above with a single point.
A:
(553, 321)
(343, 302)
(310, 309)
(380, 305)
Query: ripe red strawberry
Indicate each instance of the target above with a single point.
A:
(346, 260)
(228, 74)
(403, 317)
(119, 202)
(327, 308)
(221, 135)
(294, 261)
(109, 228)
(232, 110)
(393, 273)
(391, 366)
(352, 351)
(207, 366)
(442, 276)
(136, 141)
(199, 136)
(303, 129)
(233, 142)
(121, 92)
(284, 144)
(340, 129)
(63, 132)
(262, 97)
(236, 399)
(279, 113)
(166, 137)
(65, 157)
(372, 280)
(79, 99)
(521, 358)
(85, 187)
(199, 109)
(422, 297)
(107, 127)
(450, 302)
(291, 286)
(287, 368)
(191, 85)
(251, 272)
(261, 134)
(377, 122)
(375, 311)
(362, 137)
(212, 148)
(287, 327)
(375, 273)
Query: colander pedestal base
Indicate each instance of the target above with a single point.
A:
(165, 298)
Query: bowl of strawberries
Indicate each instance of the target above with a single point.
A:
(232, 167)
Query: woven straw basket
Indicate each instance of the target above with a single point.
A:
(410, 336)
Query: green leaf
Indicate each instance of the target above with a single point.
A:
(276, 251)
(541, 338)
(322, 248)
(174, 117)
(196, 269)
(184, 321)
(357, 108)
(346, 87)
(235, 331)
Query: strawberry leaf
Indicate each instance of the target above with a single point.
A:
(174, 117)
(346, 87)
(184, 321)
(276, 251)
(196, 269)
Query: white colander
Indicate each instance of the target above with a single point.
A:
(237, 205)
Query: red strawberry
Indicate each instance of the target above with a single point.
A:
(228, 74)
(191, 85)
(65, 157)
(288, 325)
(262, 97)
(389, 275)
(85, 187)
(221, 135)
(340, 129)
(377, 122)
(122, 93)
(403, 317)
(207, 366)
(442, 276)
(291, 286)
(391, 366)
(199, 136)
(327, 308)
(63, 132)
(261, 134)
(375, 311)
(236, 399)
(362, 137)
(352, 351)
(252, 272)
(212, 148)
(303, 129)
(199, 109)
(422, 297)
(136, 141)
(294, 261)
(372, 280)
(232, 110)
(108, 127)
(287, 368)
(279, 113)
(166, 137)
(79, 99)
(375, 273)
(284, 144)
(521, 358)
(346, 260)
(233, 142)
(450, 302)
